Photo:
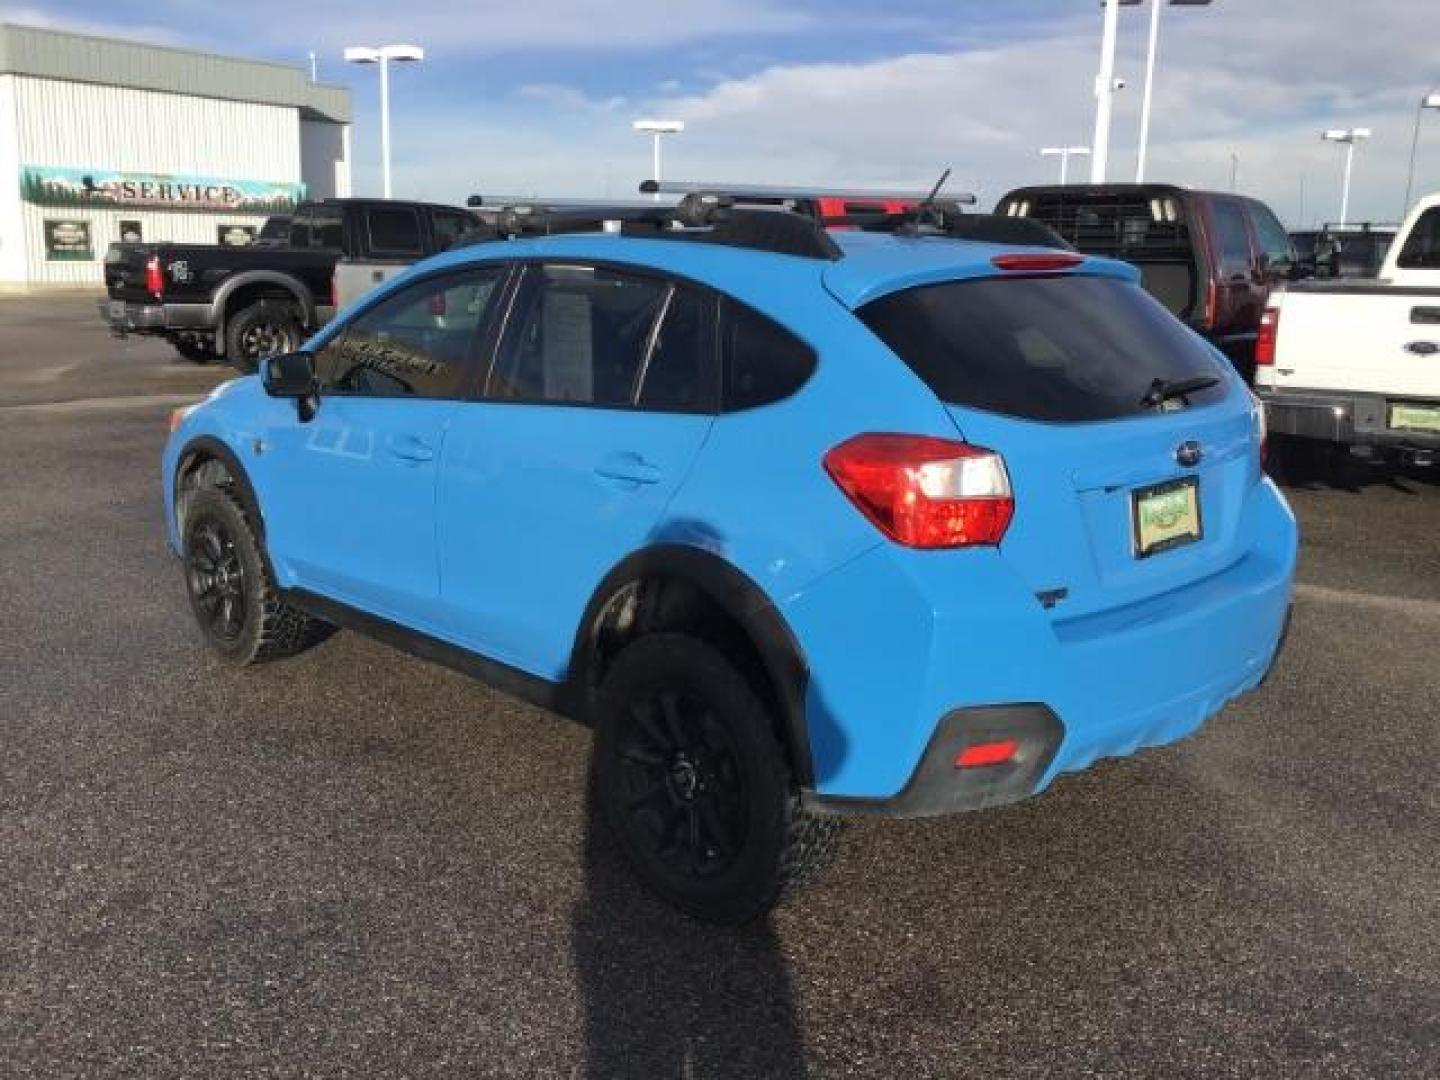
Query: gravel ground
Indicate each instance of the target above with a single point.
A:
(357, 864)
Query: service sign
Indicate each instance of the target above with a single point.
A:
(67, 241)
(53, 185)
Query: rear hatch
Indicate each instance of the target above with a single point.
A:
(1147, 226)
(1121, 493)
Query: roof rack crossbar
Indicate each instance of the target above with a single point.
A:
(740, 192)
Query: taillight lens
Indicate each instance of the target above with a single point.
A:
(1265, 341)
(1212, 305)
(925, 492)
(154, 280)
(1025, 263)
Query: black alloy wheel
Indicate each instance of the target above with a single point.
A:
(684, 793)
(216, 577)
(695, 785)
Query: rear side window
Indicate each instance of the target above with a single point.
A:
(326, 228)
(393, 230)
(1422, 246)
(1065, 348)
(763, 362)
(580, 335)
(448, 226)
(1231, 238)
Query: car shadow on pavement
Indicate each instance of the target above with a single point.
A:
(667, 996)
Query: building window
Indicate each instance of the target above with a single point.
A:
(235, 235)
(131, 231)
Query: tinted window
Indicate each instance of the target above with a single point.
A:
(1231, 238)
(1273, 239)
(415, 343)
(580, 334)
(763, 362)
(679, 376)
(393, 230)
(300, 231)
(1422, 246)
(326, 228)
(448, 225)
(1044, 348)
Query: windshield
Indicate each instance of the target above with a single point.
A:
(1063, 348)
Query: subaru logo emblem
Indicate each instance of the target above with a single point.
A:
(1188, 453)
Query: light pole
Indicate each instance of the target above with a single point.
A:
(1064, 153)
(658, 129)
(382, 55)
(1429, 101)
(1155, 6)
(1105, 86)
(1350, 137)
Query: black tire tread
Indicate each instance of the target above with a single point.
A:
(281, 630)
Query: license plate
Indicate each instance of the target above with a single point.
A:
(1166, 516)
(1415, 418)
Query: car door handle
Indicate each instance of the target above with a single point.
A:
(411, 448)
(628, 467)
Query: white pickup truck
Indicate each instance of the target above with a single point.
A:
(1356, 363)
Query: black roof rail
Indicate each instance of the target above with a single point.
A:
(740, 194)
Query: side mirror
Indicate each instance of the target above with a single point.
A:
(289, 375)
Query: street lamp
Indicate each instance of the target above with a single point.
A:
(1155, 7)
(382, 55)
(658, 129)
(1064, 153)
(1429, 101)
(1350, 137)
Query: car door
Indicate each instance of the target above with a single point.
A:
(601, 394)
(350, 499)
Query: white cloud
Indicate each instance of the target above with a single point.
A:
(1259, 84)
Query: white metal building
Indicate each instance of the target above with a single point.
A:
(104, 140)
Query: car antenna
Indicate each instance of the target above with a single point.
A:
(925, 211)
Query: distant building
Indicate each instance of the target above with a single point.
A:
(104, 140)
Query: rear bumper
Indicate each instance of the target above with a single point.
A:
(887, 717)
(124, 317)
(1351, 419)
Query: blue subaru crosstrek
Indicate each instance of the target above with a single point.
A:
(805, 523)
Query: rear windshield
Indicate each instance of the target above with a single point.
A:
(1064, 348)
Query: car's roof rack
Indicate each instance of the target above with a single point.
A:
(741, 194)
(769, 229)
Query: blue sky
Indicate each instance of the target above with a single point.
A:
(538, 97)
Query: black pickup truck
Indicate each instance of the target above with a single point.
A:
(242, 303)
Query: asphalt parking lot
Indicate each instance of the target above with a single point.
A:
(357, 864)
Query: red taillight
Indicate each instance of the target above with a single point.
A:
(1265, 340)
(979, 755)
(1022, 263)
(1212, 305)
(154, 279)
(925, 492)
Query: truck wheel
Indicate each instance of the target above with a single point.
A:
(264, 328)
(693, 782)
(231, 592)
(195, 351)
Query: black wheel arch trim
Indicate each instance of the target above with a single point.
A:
(219, 303)
(742, 599)
(208, 445)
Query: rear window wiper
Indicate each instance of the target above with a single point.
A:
(1163, 390)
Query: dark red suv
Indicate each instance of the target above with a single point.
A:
(1211, 258)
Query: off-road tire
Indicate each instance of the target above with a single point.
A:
(267, 327)
(734, 759)
(195, 352)
(262, 626)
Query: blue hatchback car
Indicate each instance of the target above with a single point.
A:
(805, 523)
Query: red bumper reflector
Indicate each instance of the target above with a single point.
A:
(987, 753)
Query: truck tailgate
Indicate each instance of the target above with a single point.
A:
(1368, 339)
